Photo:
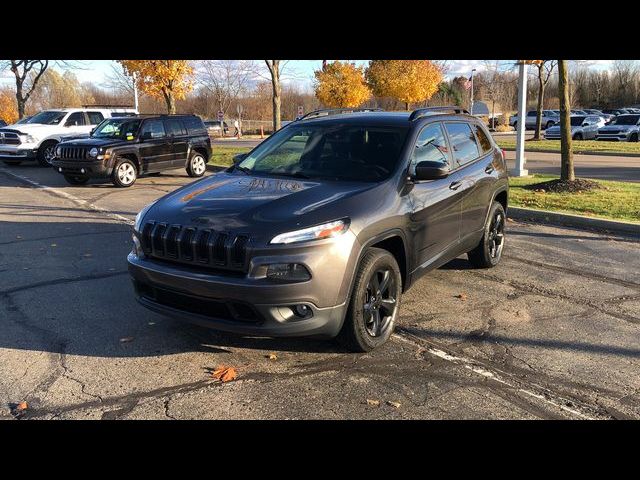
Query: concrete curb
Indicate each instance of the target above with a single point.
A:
(578, 152)
(578, 221)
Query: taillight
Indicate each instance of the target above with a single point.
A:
(504, 154)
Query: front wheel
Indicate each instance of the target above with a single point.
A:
(548, 125)
(374, 302)
(489, 251)
(197, 165)
(634, 137)
(577, 136)
(124, 173)
(46, 153)
(76, 179)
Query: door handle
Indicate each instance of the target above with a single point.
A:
(489, 169)
(455, 185)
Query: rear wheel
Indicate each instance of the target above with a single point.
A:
(489, 251)
(197, 165)
(549, 125)
(577, 136)
(374, 302)
(46, 153)
(76, 179)
(12, 162)
(124, 173)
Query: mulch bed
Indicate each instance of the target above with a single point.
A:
(563, 186)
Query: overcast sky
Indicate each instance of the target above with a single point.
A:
(300, 71)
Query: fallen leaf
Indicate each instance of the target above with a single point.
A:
(126, 339)
(373, 403)
(462, 296)
(22, 406)
(393, 404)
(224, 374)
(18, 410)
(272, 356)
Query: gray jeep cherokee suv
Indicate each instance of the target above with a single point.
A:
(320, 228)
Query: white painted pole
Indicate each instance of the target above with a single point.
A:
(522, 113)
(135, 92)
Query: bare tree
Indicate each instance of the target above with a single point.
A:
(119, 81)
(545, 69)
(494, 81)
(566, 155)
(27, 74)
(274, 70)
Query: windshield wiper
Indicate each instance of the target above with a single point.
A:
(294, 175)
(245, 170)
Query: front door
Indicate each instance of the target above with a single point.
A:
(76, 124)
(436, 204)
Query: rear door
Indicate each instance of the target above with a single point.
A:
(155, 149)
(177, 134)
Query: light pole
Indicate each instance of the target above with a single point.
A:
(520, 171)
(135, 92)
(471, 102)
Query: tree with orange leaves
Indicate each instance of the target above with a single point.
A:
(8, 108)
(166, 79)
(341, 84)
(408, 81)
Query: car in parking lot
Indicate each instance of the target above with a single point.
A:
(3, 123)
(37, 139)
(321, 227)
(549, 119)
(122, 148)
(625, 128)
(583, 127)
(213, 127)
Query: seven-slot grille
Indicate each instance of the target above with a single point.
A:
(203, 247)
(73, 152)
(9, 138)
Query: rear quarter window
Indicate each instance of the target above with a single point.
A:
(463, 142)
(194, 126)
(483, 139)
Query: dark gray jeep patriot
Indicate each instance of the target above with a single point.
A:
(320, 228)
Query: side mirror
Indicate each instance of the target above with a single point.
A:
(238, 158)
(431, 171)
(92, 130)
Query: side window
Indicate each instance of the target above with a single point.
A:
(154, 127)
(531, 114)
(431, 146)
(463, 142)
(95, 118)
(174, 127)
(483, 139)
(75, 119)
(194, 126)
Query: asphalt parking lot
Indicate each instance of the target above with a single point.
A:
(553, 332)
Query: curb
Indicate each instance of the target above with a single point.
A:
(578, 221)
(578, 152)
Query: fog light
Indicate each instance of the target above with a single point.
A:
(137, 246)
(288, 272)
(82, 170)
(60, 169)
(302, 311)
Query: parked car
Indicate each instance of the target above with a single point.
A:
(583, 127)
(625, 128)
(24, 119)
(122, 148)
(615, 111)
(38, 138)
(319, 229)
(3, 123)
(632, 109)
(605, 116)
(549, 119)
(213, 127)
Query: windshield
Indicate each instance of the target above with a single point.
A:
(626, 120)
(123, 128)
(338, 152)
(577, 121)
(48, 117)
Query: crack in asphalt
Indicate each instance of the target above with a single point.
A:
(62, 281)
(55, 237)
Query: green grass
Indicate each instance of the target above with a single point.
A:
(579, 146)
(222, 155)
(616, 200)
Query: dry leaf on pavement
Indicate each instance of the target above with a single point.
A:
(393, 404)
(373, 403)
(224, 374)
(20, 409)
(462, 296)
(272, 356)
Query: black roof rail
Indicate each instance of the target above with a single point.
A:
(421, 112)
(336, 111)
(100, 105)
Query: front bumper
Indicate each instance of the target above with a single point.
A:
(87, 168)
(11, 153)
(615, 137)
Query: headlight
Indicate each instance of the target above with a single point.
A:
(140, 216)
(326, 230)
(25, 138)
(58, 151)
(93, 152)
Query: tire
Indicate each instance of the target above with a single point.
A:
(76, 179)
(577, 136)
(124, 173)
(371, 317)
(46, 153)
(13, 163)
(489, 251)
(549, 125)
(633, 137)
(197, 165)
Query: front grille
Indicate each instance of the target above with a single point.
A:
(9, 138)
(190, 245)
(76, 153)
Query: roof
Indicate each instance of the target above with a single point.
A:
(381, 118)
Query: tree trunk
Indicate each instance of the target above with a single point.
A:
(19, 98)
(566, 157)
(274, 69)
(170, 101)
(406, 106)
(536, 135)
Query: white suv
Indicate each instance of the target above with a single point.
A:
(37, 138)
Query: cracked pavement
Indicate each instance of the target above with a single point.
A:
(552, 332)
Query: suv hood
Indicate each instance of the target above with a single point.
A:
(85, 141)
(621, 128)
(255, 204)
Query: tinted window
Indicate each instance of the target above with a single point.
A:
(194, 125)
(174, 127)
(120, 128)
(75, 119)
(463, 142)
(155, 127)
(577, 121)
(627, 120)
(483, 139)
(48, 117)
(95, 118)
(531, 114)
(431, 146)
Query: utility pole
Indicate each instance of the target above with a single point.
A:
(471, 102)
(522, 108)
(135, 92)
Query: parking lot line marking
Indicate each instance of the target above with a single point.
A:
(68, 196)
(545, 395)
